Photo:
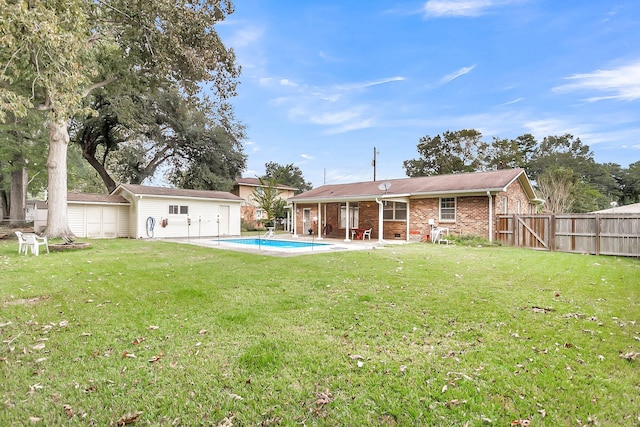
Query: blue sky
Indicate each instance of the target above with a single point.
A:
(324, 82)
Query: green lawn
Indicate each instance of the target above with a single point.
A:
(157, 333)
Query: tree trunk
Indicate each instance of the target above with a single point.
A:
(102, 171)
(18, 197)
(57, 222)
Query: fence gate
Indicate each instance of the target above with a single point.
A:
(528, 231)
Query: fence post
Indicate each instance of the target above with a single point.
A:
(552, 232)
(597, 227)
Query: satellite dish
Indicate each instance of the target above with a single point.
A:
(384, 186)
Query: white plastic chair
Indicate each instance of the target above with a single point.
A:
(22, 243)
(367, 234)
(33, 241)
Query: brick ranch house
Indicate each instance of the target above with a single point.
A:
(407, 209)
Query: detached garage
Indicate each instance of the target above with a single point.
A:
(96, 216)
(176, 213)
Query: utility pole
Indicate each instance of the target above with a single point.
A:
(375, 153)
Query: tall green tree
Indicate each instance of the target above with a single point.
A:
(55, 53)
(511, 153)
(133, 136)
(453, 152)
(630, 184)
(288, 174)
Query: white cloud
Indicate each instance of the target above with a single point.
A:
(514, 101)
(459, 73)
(622, 83)
(288, 83)
(436, 8)
(306, 156)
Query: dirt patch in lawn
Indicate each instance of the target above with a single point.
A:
(26, 301)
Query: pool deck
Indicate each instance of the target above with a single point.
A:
(328, 245)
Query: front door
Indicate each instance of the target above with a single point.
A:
(306, 221)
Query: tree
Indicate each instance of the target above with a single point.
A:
(453, 152)
(564, 151)
(556, 187)
(54, 54)
(133, 136)
(511, 153)
(267, 197)
(630, 184)
(23, 152)
(287, 175)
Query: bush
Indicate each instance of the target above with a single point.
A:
(471, 240)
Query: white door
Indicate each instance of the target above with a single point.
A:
(306, 221)
(224, 220)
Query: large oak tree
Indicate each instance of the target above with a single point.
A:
(53, 54)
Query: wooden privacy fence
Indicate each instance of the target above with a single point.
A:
(597, 234)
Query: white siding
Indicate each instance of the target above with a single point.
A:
(203, 213)
(96, 221)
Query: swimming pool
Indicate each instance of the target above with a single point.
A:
(274, 243)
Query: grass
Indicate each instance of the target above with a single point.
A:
(158, 333)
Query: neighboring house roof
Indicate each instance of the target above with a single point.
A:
(255, 182)
(633, 208)
(453, 184)
(96, 198)
(142, 190)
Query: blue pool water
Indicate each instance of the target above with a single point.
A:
(269, 243)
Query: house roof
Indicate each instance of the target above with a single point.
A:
(437, 185)
(632, 208)
(143, 190)
(255, 182)
(96, 198)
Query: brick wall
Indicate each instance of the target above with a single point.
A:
(472, 215)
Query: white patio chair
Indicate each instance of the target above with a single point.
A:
(22, 243)
(367, 234)
(33, 241)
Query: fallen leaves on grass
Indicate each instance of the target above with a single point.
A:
(156, 358)
(632, 355)
(324, 397)
(524, 423)
(541, 309)
(128, 419)
(127, 354)
(68, 411)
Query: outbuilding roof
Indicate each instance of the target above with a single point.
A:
(96, 198)
(143, 190)
(437, 185)
(255, 182)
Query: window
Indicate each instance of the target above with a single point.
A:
(518, 207)
(353, 216)
(505, 205)
(394, 210)
(448, 209)
(259, 213)
(178, 210)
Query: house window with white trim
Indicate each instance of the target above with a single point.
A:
(353, 215)
(505, 205)
(448, 209)
(518, 207)
(394, 211)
